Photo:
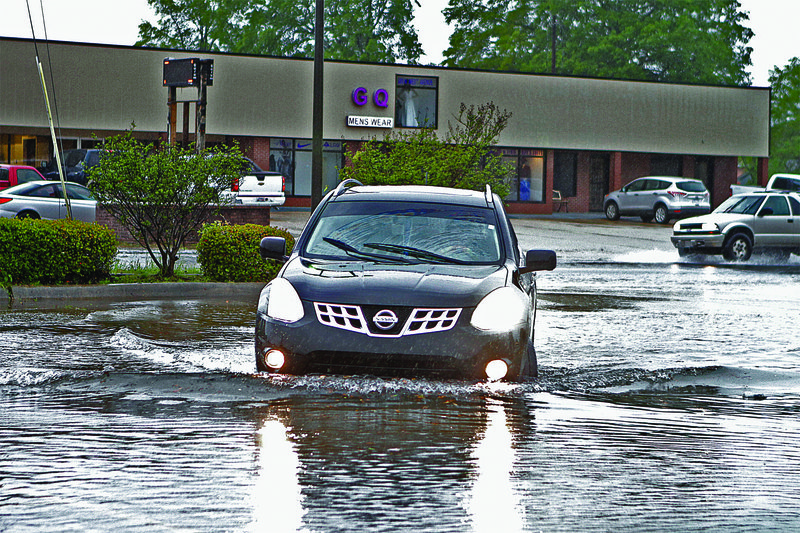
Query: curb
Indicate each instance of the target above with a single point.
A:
(61, 296)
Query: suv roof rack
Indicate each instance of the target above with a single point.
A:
(343, 185)
(488, 195)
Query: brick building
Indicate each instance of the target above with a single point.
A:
(580, 136)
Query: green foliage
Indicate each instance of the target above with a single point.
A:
(362, 30)
(230, 253)
(54, 251)
(162, 196)
(690, 41)
(785, 118)
(464, 159)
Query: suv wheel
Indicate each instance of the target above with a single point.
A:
(612, 211)
(738, 248)
(660, 214)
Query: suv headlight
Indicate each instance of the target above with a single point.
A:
(279, 300)
(710, 227)
(501, 310)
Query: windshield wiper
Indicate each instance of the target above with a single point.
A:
(415, 252)
(358, 254)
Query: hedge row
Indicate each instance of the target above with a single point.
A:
(54, 251)
(230, 253)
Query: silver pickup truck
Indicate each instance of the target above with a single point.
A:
(760, 221)
(257, 187)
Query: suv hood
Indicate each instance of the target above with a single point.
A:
(422, 285)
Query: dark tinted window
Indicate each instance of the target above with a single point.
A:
(786, 184)
(72, 158)
(93, 158)
(25, 175)
(47, 191)
(691, 186)
(565, 173)
(657, 185)
(795, 206)
(778, 205)
(636, 186)
(3, 174)
(76, 192)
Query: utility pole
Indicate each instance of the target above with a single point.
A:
(316, 136)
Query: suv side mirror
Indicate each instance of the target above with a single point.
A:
(273, 248)
(538, 260)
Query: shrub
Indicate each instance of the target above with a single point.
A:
(54, 251)
(230, 253)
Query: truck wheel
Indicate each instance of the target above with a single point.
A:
(660, 214)
(612, 211)
(738, 248)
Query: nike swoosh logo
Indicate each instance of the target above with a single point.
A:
(304, 145)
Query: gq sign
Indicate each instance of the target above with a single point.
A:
(380, 98)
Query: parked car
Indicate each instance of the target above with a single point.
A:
(658, 198)
(11, 175)
(777, 182)
(767, 221)
(45, 199)
(75, 163)
(258, 187)
(402, 280)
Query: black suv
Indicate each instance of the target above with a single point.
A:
(76, 163)
(402, 280)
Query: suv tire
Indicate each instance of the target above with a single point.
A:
(738, 248)
(612, 211)
(660, 214)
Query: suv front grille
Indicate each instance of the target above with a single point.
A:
(418, 321)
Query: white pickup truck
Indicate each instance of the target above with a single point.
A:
(778, 182)
(257, 187)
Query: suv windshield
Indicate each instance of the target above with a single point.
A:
(743, 205)
(411, 232)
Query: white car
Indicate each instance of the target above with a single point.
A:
(45, 199)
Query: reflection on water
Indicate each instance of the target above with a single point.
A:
(668, 401)
(493, 503)
(277, 500)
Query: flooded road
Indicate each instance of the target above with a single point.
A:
(668, 400)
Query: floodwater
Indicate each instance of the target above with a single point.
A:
(669, 400)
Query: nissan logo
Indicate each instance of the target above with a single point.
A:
(384, 319)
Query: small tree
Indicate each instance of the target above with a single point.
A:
(162, 195)
(465, 158)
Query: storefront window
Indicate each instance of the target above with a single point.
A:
(281, 159)
(565, 173)
(292, 158)
(416, 102)
(527, 179)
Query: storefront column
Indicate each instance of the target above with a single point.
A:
(549, 179)
(763, 171)
(615, 172)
